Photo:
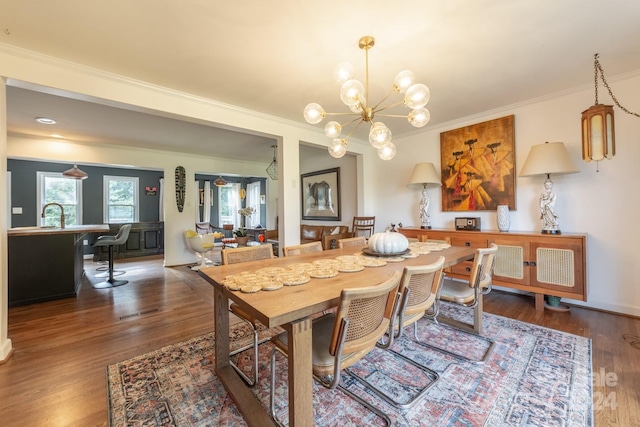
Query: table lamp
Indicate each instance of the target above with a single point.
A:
(424, 175)
(546, 159)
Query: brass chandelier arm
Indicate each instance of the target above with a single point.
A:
(353, 130)
(392, 115)
(390, 106)
(375, 107)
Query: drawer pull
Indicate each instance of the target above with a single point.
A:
(467, 244)
(468, 269)
(526, 263)
(533, 263)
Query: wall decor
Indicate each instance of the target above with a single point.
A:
(150, 191)
(181, 184)
(321, 195)
(201, 196)
(477, 163)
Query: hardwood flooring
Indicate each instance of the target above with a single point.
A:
(56, 375)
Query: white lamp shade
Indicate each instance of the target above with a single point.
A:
(424, 174)
(548, 158)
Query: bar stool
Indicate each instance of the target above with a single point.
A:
(111, 241)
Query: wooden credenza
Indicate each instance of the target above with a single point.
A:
(543, 264)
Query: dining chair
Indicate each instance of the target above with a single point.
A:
(418, 290)
(352, 241)
(204, 227)
(343, 338)
(302, 249)
(469, 293)
(235, 256)
(200, 243)
(363, 225)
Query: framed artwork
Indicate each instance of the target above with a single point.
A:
(201, 190)
(321, 195)
(478, 164)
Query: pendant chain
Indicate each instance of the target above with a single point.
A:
(597, 67)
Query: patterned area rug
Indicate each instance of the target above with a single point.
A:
(534, 376)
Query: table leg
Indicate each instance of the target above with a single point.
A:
(300, 373)
(248, 405)
(221, 306)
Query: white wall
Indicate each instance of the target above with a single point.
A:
(601, 204)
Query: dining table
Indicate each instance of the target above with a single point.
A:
(292, 308)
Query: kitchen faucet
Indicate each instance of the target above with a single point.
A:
(44, 208)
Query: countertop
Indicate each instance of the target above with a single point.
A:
(71, 229)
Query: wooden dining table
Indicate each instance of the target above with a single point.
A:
(291, 308)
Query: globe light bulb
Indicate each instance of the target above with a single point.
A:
(332, 129)
(419, 117)
(379, 135)
(338, 148)
(314, 113)
(387, 152)
(358, 106)
(417, 96)
(351, 92)
(343, 72)
(404, 79)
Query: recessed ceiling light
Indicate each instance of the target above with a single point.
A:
(45, 121)
(55, 135)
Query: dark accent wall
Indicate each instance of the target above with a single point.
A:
(24, 190)
(244, 181)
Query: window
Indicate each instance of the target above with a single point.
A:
(67, 192)
(229, 204)
(253, 201)
(120, 199)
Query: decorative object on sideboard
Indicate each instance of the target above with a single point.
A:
(503, 218)
(546, 159)
(272, 169)
(424, 175)
(598, 128)
(75, 173)
(181, 184)
(356, 96)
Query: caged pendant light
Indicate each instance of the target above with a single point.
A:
(598, 131)
(272, 169)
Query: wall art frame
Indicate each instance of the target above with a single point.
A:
(478, 166)
(321, 195)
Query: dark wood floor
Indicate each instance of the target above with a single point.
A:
(56, 375)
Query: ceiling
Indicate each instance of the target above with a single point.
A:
(475, 56)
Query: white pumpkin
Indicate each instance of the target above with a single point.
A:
(388, 242)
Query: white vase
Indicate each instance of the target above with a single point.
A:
(504, 221)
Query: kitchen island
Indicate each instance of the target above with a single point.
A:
(46, 263)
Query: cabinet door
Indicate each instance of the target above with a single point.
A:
(558, 267)
(512, 260)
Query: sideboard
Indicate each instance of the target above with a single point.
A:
(544, 264)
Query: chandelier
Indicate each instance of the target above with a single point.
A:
(356, 96)
(272, 169)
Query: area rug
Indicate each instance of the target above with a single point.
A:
(534, 376)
